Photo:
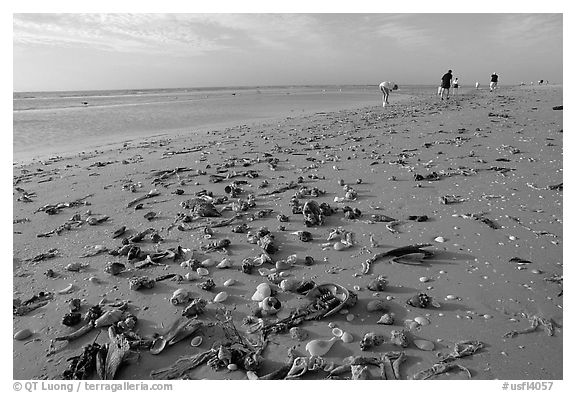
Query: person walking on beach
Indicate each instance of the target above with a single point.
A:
(385, 88)
(493, 81)
(446, 82)
(455, 86)
(477, 85)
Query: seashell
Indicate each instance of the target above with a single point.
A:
(229, 282)
(451, 297)
(222, 296)
(424, 345)
(398, 337)
(370, 340)
(232, 367)
(298, 333)
(22, 334)
(350, 317)
(282, 265)
(299, 368)
(270, 305)
(411, 325)
(337, 332)
(108, 318)
(190, 276)
(422, 321)
(320, 347)
(94, 280)
(386, 319)
(114, 268)
(421, 300)
(439, 239)
(289, 285)
(208, 262)
(180, 296)
(339, 246)
(202, 271)
(424, 279)
(378, 284)
(266, 272)
(66, 290)
(347, 337)
(196, 341)
(308, 261)
(376, 305)
(225, 263)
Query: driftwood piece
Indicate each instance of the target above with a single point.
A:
(150, 194)
(397, 252)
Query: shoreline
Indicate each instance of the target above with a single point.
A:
(494, 154)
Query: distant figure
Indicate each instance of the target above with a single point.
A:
(445, 85)
(385, 88)
(541, 81)
(493, 81)
(455, 86)
(477, 85)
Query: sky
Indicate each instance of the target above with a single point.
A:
(92, 51)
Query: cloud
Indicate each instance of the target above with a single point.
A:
(522, 30)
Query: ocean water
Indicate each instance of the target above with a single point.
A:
(51, 123)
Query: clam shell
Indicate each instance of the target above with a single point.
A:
(290, 284)
(202, 271)
(22, 334)
(222, 296)
(347, 337)
(229, 282)
(225, 263)
(196, 341)
(208, 262)
(424, 345)
(266, 272)
(232, 367)
(282, 265)
(422, 321)
(337, 332)
(339, 246)
(440, 239)
(451, 297)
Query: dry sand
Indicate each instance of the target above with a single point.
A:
(496, 152)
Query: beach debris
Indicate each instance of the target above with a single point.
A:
(207, 285)
(347, 337)
(114, 268)
(216, 246)
(451, 199)
(519, 261)
(71, 318)
(479, 217)
(42, 256)
(270, 305)
(151, 194)
(381, 218)
(196, 341)
(429, 177)
(220, 297)
(398, 252)
(462, 349)
(95, 221)
(386, 319)
(399, 338)
(180, 296)
(109, 318)
(22, 334)
(98, 249)
(320, 347)
(142, 282)
(21, 308)
(68, 289)
(82, 366)
(422, 300)
(180, 329)
(440, 368)
(195, 308)
(371, 339)
(418, 218)
(351, 213)
(299, 368)
(535, 321)
(116, 352)
(313, 215)
(55, 208)
(378, 284)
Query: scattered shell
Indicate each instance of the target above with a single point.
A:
(22, 334)
(399, 337)
(282, 265)
(386, 319)
(440, 239)
(108, 318)
(378, 284)
(424, 279)
(196, 341)
(225, 263)
(202, 271)
(232, 367)
(487, 316)
(262, 291)
(422, 321)
(270, 305)
(190, 276)
(339, 246)
(347, 337)
(376, 305)
(337, 332)
(229, 282)
(424, 345)
(350, 317)
(208, 262)
(451, 297)
(222, 296)
(298, 333)
(289, 285)
(66, 290)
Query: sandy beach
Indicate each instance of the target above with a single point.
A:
(477, 179)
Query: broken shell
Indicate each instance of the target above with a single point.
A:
(229, 282)
(337, 332)
(22, 334)
(190, 276)
(282, 265)
(440, 239)
(378, 284)
(347, 337)
(386, 319)
(207, 262)
(270, 305)
(66, 290)
(108, 318)
(225, 263)
(196, 341)
(180, 296)
(398, 337)
(320, 347)
(222, 296)
(424, 279)
(339, 246)
(422, 321)
(202, 271)
(376, 305)
(424, 345)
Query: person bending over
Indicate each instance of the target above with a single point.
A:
(446, 82)
(385, 88)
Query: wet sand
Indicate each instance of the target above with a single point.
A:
(497, 154)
